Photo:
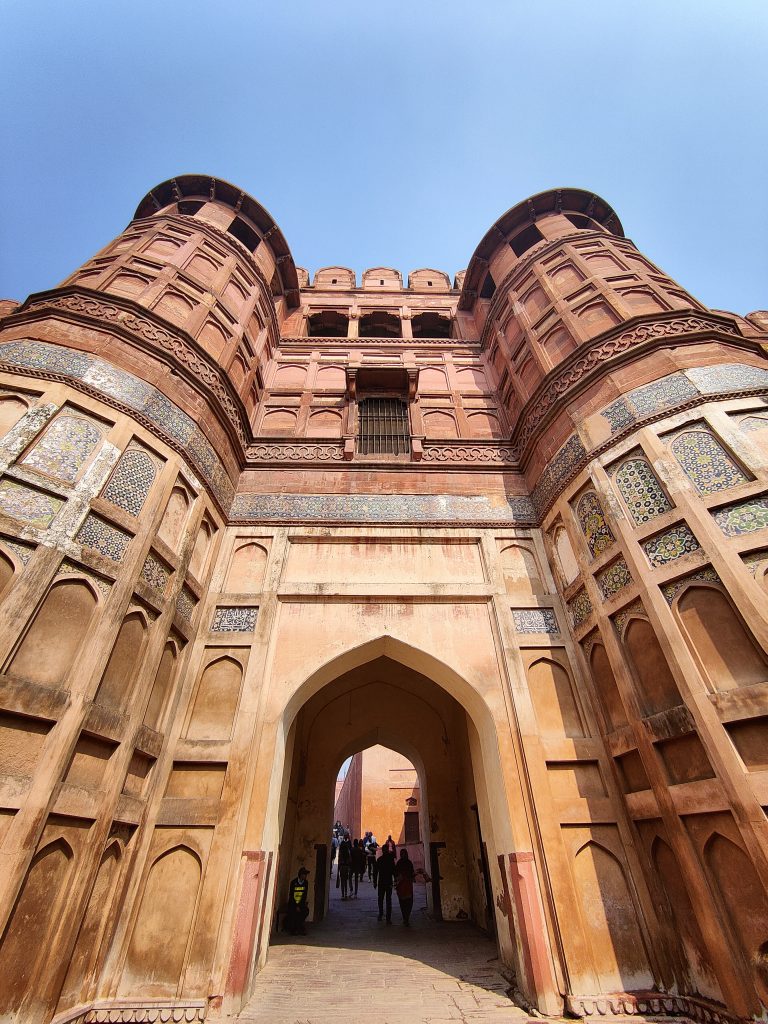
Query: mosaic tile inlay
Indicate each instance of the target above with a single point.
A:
(614, 578)
(535, 620)
(186, 604)
(754, 424)
(103, 537)
(754, 560)
(591, 517)
(380, 508)
(32, 507)
(22, 551)
(155, 573)
(580, 608)
(744, 517)
(642, 493)
(705, 462)
(727, 377)
(621, 618)
(234, 620)
(666, 547)
(131, 480)
(68, 568)
(65, 447)
(672, 589)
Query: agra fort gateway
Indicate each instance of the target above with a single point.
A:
(512, 525)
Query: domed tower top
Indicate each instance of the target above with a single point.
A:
(230, 209)
(543, 217)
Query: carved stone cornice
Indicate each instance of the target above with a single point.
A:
(295, 451)
(580, 368)
(148, 331)
(452, 454)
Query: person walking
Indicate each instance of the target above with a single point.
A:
(405, 874)
(298, 903)
(334, 848)
(358, 865)
(370, 857)
(345, 866)
(385, 870)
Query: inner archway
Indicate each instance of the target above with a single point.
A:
(379, 794)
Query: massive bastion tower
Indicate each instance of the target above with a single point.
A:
(513, 526)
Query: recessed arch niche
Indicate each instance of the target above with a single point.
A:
(610, 920)
(124, 661)
(167, 908)
(718, 639)
(11, 411)
(657, 688)
(216, 699)
(56, 634)
(33, 919)
(162, 686)
(247, 568)
(554, 701)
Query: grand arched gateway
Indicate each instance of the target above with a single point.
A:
(514, 527)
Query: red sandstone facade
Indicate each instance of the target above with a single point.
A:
(513, 526)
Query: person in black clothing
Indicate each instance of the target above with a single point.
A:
(358, 866)
(344, 873)
(298, 905)
(385, 869)
(405, 873)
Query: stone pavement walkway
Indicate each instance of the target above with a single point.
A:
(353, 967)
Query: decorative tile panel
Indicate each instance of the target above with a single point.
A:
(234, 619)
(744, 517)
(620, 619)
(614, 578)
(103, 537)
(186, 604)
(32, 507)
(580, 608)
(535, 620)
(754, 560)
(753, 424)
(380, 508)
(642, 493)
(670, 545)
(711, 380)
(705, 462)
(131, 480)
(68, 568)
(22, 551)
(155, 573)
(671, 590)
(118, 385)
(65, 447)
(591, 517)
(665, 393)
(558, 471)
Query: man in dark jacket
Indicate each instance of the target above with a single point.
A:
(385, 870)
(298, 904)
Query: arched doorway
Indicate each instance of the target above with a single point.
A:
(384, 702)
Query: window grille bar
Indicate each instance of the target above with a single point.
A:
(384, 428)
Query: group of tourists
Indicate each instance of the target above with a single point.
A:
(361, 858)
(358, 859)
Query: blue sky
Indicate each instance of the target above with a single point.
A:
(394, 133)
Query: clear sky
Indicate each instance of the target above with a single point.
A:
(391, 133)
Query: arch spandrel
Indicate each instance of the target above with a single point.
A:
(458, 652)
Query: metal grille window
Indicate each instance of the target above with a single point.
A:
(384, 427)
